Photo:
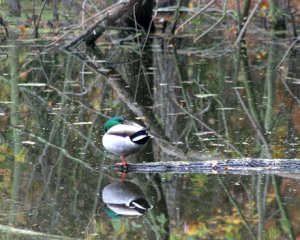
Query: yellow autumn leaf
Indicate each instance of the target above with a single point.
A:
(194, 228)
(5, 149)
(20, 156)
(236, 221)
(2, 158)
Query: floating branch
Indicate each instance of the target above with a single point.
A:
(229, 166)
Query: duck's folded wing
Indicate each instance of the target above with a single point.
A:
(124, 130)
(140, 137)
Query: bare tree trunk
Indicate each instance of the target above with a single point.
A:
(55, 10)
(14, 120)
(14, 8)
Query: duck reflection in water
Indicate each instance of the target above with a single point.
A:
(124, 199)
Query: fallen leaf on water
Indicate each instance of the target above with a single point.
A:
(206, 95)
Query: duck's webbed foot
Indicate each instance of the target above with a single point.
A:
(123, 166)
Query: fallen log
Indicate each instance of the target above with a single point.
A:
(228, 166)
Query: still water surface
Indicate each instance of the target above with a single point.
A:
(199, 104)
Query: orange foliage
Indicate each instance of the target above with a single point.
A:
(23, 75)
(50, 103)
(23, 31)
(264, 5)
(261, 55)
(193, 228)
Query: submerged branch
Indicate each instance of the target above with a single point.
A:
(286, 221)
(25, 232)
(63, 151)
(235, 204)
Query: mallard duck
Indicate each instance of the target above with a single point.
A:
(123, 138)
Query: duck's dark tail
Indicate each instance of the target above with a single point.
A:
(140, 137)
(141, 205)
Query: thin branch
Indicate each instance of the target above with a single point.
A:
(252, 121)
(215, 24)
(63, 151)
(243, 30)
(37, 22)
(176, 16)
(194, 16)
(287, 52)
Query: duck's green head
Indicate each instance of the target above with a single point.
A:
(113, 122)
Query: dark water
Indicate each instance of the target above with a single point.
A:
(199, 103)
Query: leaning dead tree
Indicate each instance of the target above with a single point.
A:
(138, 14)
